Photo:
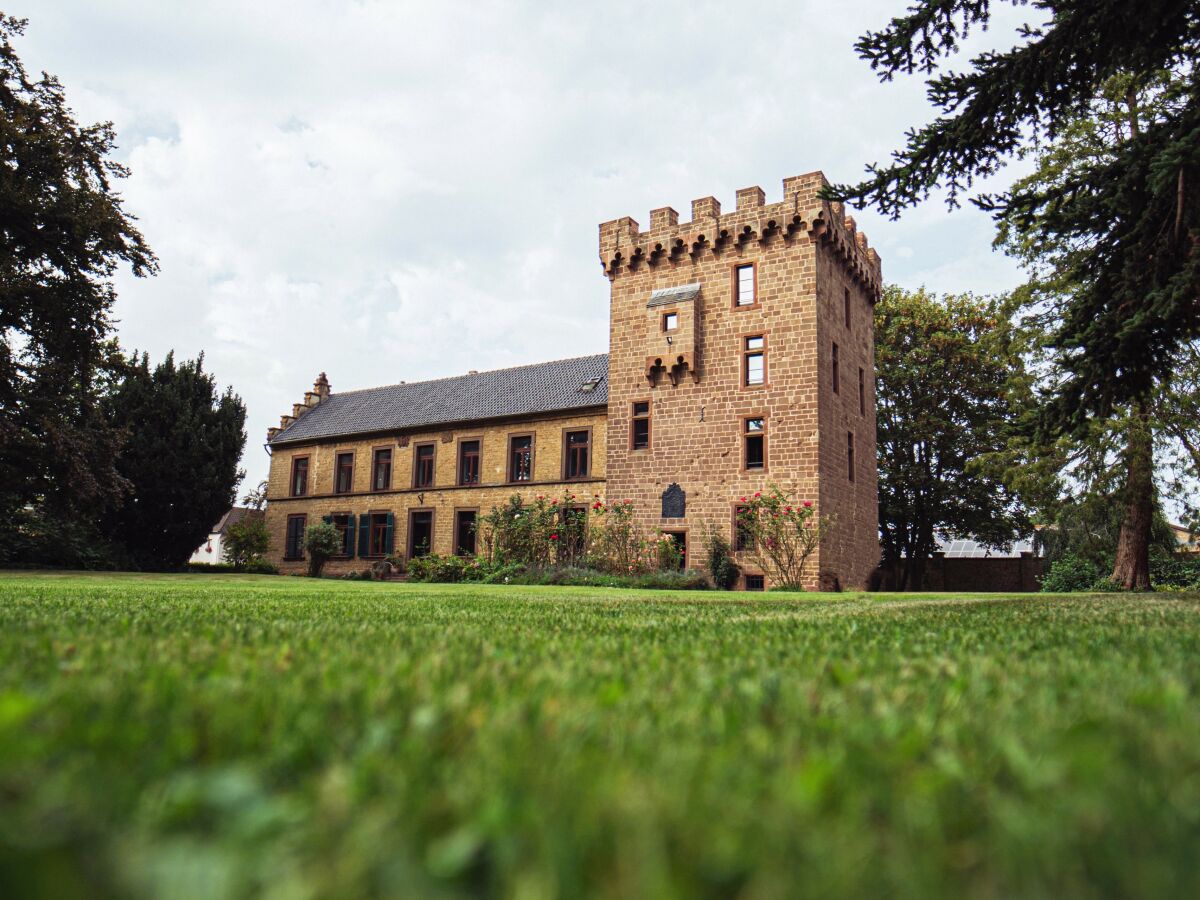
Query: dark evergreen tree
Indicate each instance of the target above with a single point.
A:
(1131, 216)
(180, 459)
(63, 233)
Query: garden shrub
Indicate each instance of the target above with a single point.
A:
(246, 542)
(782, 534)
(259, 567)
(321, 541)
(1071, 573)
(721, 567)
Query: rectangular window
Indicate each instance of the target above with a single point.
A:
(468, 462)
(343, 473)
(381, 469)
(299, 476)
(679, 538)
(837, 379)
(344, 523)
(862, 392)
(640, 432)
(293, 547)
(420, 533)
(754, 437)
(754, 361)
(464, 532)
(742, 539)
(380, 537)
(520, 458)
(847, 307)
(670, 321)
(423, 455)
(577, 454)
(850, 455)
(755, 583)
(743, 285)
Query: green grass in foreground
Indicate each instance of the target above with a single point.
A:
(226, 736)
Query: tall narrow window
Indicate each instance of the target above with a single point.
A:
(743, 538)
(464, 532)
(468, 462)
(743, 285)
(381, 469)
(423, 465)
(343, 475)
(847, 307)
(754, 440)
(577, 453)
(850, 455)
(299, 476)
(862, 392)
(837, 378)
(293, 547)
(520, 458)
(420, 532)
(754, 361)
(344, 523)
(640, 433)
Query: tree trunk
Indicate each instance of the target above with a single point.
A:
(1132, 567)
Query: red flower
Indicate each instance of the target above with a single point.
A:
(787, 509)
(554, 503)
(541, 497)
(757, 495)
(742, 500)
(554, 537)
(807, 504)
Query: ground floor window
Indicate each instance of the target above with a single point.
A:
(344, 523)
(375, 535)
(420, 532)
(464, 532)
(293, 547)
(755, 583)
(680, 540)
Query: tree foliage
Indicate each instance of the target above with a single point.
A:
(246, 542)
(180, 459)
(1132, 216)
(63, 234)
(321, 541)
(950, 388)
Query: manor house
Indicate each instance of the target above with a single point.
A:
(740, 354)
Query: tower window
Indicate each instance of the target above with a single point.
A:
(744, 287)
(577, 453)
(670, 321)
(468, 462)
(754, 442)
(343, 474)
(837, 379)
(847, 307)
(520, 458)
(381, 469)
(862, 392)
(850, 455)
(640, 430)
(754, 360)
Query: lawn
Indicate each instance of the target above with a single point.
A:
(225, 736)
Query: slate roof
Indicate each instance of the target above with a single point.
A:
(523, 390)
(235, 515)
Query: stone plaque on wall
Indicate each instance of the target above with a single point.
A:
(674, 502)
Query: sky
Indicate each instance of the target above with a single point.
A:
(393, 191)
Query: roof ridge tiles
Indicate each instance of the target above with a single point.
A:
(547, 362)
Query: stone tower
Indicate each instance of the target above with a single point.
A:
(741, 353)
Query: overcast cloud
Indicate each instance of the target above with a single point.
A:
(396, 190)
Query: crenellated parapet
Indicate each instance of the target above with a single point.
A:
(801, 215)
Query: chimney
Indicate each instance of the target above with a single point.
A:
(321, 388)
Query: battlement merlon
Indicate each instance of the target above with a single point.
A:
(800, 215)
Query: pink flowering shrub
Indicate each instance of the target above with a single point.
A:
(782, 534)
